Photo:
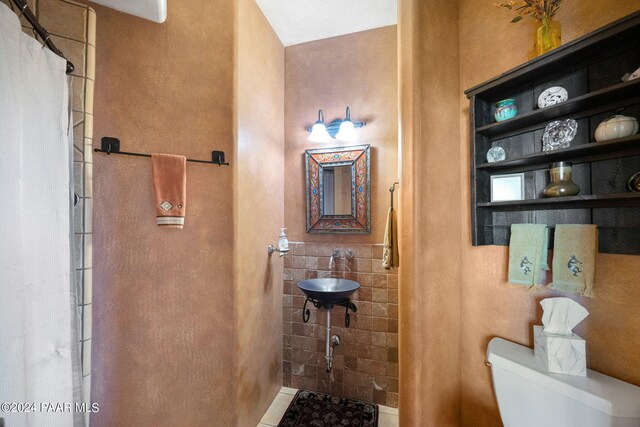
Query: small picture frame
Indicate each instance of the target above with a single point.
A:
(507, 187)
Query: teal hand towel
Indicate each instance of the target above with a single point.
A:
(574, 258)
(528, 254)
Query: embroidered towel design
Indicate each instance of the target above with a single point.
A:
(169, 189)
(528, 254)
(574, 258)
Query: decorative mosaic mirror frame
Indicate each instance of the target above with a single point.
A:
(358, 158)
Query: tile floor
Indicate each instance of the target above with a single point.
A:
(388, 417)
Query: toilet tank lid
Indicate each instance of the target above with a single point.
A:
(606, 394)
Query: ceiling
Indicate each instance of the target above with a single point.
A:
(301, 21)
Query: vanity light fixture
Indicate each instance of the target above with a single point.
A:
(344, 130)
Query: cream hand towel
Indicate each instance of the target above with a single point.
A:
(169, 189)
(528, 254)
(390, 255)
(574, 258)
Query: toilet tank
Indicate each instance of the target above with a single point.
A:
(528, 395)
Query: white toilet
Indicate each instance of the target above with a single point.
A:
(528, 395)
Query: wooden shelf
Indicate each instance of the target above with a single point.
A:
(594, 151)
(572, 202)
(589, 68)
(598, 98)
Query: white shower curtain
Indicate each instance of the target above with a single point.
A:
(39, 357)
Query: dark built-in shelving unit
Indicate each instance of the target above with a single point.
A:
(590, 68)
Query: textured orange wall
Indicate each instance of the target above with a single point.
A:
(164, 330)
(430, 215)
(259, 211)
(358, 70)
(490, 45)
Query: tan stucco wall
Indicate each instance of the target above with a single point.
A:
(259, 211)
(164, 330)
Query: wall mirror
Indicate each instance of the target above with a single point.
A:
(338, 186)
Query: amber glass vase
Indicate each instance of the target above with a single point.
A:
(548, 36)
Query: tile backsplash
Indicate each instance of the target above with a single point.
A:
(366, 361)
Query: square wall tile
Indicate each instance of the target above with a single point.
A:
(91, 27)
(78, 251)
(88, 286)
(91, 62)
(78, 217)
(86, 388)
(88, 180)
(88, 251)
(86, 321)
(78, 136)
(78, 93)
(89, 94)
(74, 51)
(63, 19)
(88, 125)
(88, 151)
(88, 216)
(86, 357)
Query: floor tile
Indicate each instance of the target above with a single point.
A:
(387, 420)
(277, 409)
(288, 390)
(388, 410)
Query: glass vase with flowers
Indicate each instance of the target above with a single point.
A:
(548, 31)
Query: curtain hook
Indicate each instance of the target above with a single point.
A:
(22, 9)
(37, 37)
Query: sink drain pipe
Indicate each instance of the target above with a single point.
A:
(328, 355)
(331, 342)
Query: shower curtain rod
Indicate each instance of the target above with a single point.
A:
(41, 31)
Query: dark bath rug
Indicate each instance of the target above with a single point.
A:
(312, 409)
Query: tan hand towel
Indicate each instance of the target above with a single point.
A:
(390, 255)
(574, 258)
(528, 254)
(169, 189)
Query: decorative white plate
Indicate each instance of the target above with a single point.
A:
(559, 134)
(552, 96)
(496, 154)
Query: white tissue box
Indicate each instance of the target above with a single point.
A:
(560, 354)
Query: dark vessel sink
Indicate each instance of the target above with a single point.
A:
(328, 291)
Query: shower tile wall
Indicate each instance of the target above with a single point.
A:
(366, 361)
(73, 29)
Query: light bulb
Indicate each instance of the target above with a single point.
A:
(319, 131)
(347, 131)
